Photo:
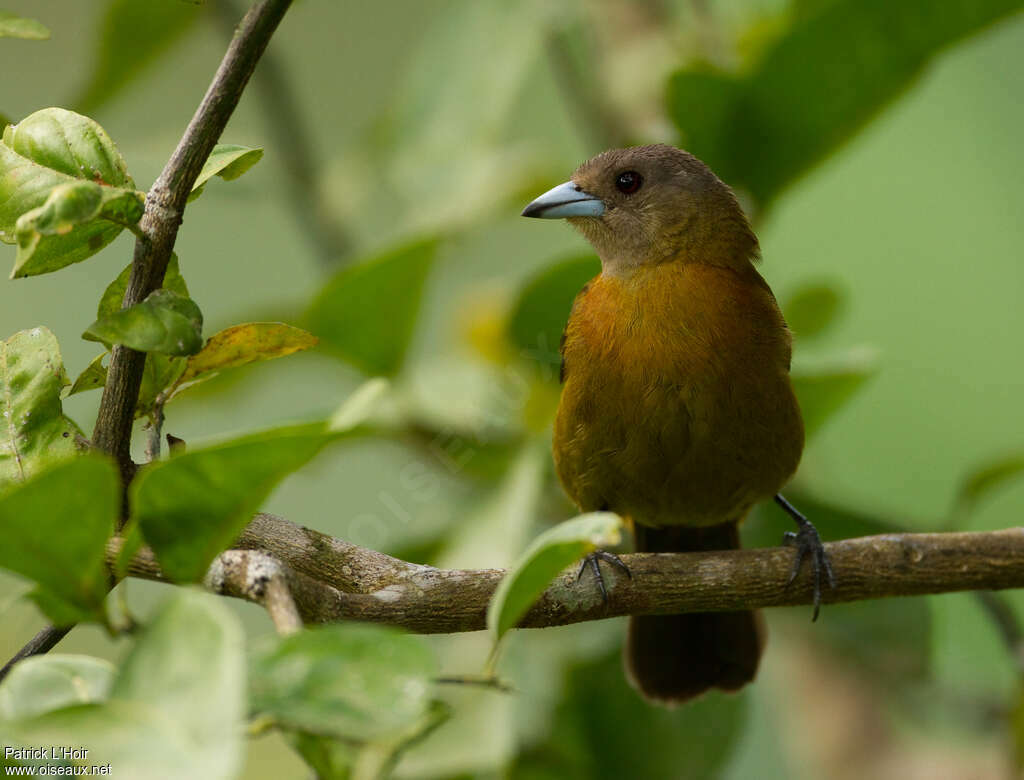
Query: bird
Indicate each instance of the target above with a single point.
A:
(677, 411)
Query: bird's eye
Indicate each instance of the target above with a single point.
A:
(628, 182)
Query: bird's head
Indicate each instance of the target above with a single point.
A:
(651, 204)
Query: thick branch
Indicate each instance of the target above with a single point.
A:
(333, 580)
(165, 203)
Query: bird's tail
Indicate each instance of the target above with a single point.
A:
(672, 658)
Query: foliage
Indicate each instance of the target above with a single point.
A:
(354, 700)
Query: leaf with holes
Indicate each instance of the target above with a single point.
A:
(34, 432)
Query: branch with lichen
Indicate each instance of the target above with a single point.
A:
(331, 580)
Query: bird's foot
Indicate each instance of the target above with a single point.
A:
(593, 560)
(808, 545)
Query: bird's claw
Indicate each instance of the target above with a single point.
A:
(593, 561)
(809, 545)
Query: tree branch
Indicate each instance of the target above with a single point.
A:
(332, 580)
(165, 203)
(43, 642)
(259, 577)
(158, 229)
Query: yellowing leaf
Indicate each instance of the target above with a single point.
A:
(241, 344)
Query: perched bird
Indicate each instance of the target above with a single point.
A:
(677, 410)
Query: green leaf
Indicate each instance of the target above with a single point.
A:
(50, 148)
(543, 560)
(357, 682)
(445, 77)
(190, 664)
(12, 26)
(93, 377)
(133, 35)
(241, 344)
(161, 371)
(330, 759)
(159, 375)
(56, 528)
(113, 296)
(821, 83)
(136, 738)
(229, 161)
(602, 729)
(812, 309)
(542, 309)
(33, 429)
(71, 205)
(822, 391)
(365, 313)
(987, 478)
(191, 507)
(164, 322)
(337, 759)
(175, 709)
(43, 683)
(360, 406)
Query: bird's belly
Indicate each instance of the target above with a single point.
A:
(669, 452)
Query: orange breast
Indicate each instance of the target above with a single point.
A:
(677, 407)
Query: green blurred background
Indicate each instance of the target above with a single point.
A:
(444, 118)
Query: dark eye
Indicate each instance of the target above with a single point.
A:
(628, 182)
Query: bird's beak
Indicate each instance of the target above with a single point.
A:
(565, 200)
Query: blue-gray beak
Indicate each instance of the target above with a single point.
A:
(565, 200)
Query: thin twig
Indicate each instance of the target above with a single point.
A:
(157, 232)
(156, 426)
(165, 203)
(43, 642)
